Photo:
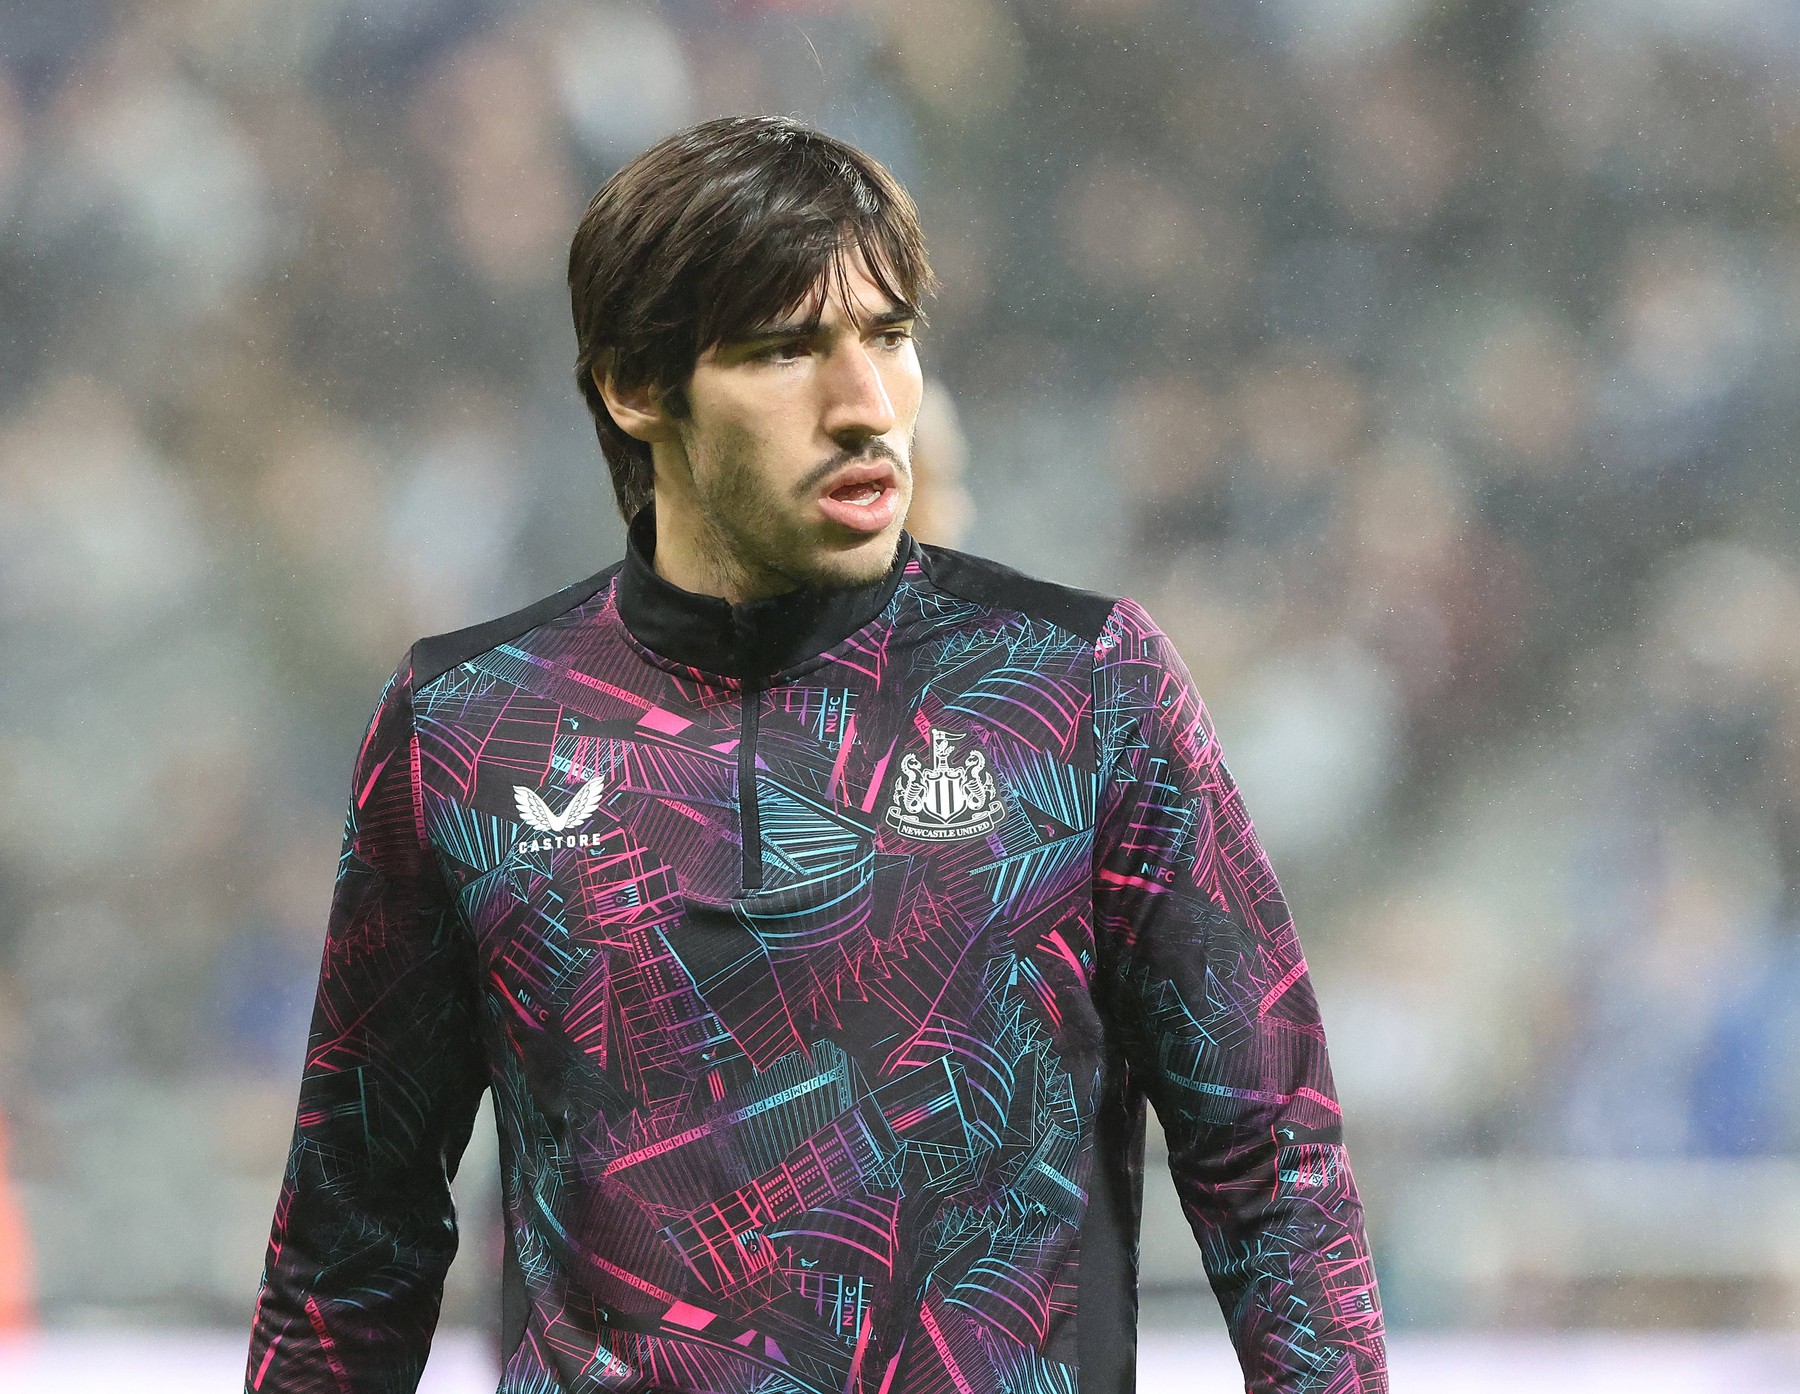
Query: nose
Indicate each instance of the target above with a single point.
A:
(857, 404)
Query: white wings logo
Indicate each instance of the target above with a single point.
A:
(537, 814)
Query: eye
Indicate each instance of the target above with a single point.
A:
(781, 351)
(895, 336)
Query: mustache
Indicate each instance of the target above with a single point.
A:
(872, 450)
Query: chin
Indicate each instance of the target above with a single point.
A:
(866, 559)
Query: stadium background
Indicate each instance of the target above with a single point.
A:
(1426, 367)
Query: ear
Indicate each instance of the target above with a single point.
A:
(639, 411)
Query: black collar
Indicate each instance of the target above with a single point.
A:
(749, 641)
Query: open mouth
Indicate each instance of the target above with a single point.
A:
(863, 498)
(861, 495)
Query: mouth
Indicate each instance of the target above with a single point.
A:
(864, 497)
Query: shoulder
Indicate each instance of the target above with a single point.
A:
(436, 655)
(988, 583)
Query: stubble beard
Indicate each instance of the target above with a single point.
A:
(751, 538)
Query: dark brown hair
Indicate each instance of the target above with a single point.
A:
(711, 234)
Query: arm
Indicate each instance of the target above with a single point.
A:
(1204, 981)
(364, 1227)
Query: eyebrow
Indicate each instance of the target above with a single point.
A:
(887, 319)
(793, 329)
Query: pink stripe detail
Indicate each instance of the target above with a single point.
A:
(837, 768)
(1304, 1093)
(263, 1368)
(657, 719)
(853, 1384)
(868, 803)
(374, 775)
(893, 1364)
(1054, 937)
(1288, 979)
(1113, 878)
(692, 1317)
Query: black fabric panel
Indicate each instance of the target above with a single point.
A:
(749, 809)
(989, 583)
(434, 657)
(1108, 1300)
(757, 639)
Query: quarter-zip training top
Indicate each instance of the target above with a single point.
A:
(821, 954)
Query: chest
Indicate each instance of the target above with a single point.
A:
(883, 848)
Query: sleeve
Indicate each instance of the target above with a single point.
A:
(1204, 984)
(364, 1228)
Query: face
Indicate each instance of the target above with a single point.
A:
(792, 464)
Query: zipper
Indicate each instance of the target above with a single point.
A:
(749, 815)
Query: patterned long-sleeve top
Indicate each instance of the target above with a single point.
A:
(821, 954)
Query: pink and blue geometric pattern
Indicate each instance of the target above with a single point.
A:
(793, 1100)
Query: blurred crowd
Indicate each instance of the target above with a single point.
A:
(1420, 365)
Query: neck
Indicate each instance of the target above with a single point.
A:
(736, 638)
(692, 554)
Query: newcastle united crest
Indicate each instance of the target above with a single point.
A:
(943, 801)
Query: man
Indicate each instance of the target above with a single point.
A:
(820, 907)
